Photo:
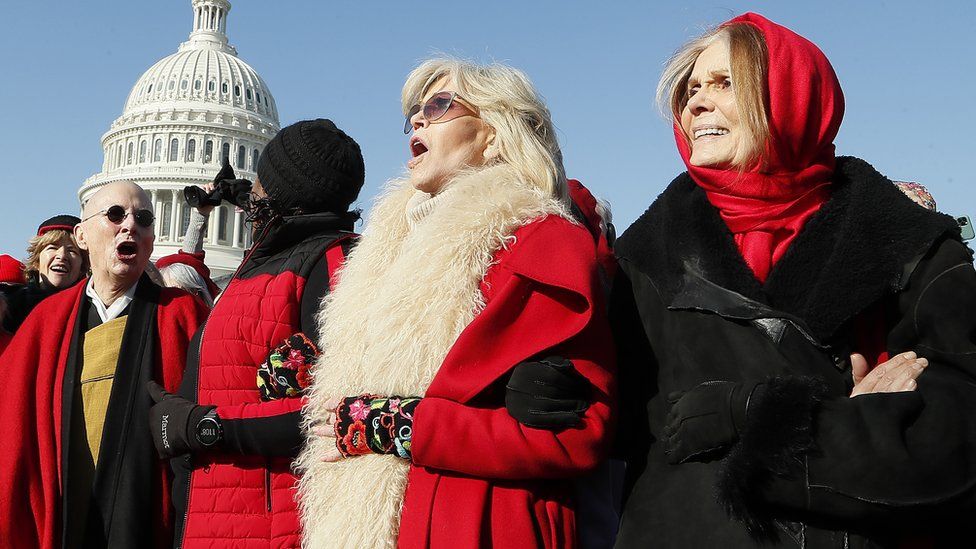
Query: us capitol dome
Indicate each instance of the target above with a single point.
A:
(184, 114)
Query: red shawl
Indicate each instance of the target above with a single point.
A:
(766, 208)
(30, 410)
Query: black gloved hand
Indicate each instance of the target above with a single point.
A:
(705, 421)
(173, 421)
(547, 394)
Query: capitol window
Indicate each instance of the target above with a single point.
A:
(174, 150)
(150, 88)
(225, 152)
(191, 150)
(184, 84)
(223, 87)
(237, 91)
(197, 85)
(222, 223)
(172, 84)
(128, 156)
(248, 93)
(165, 221)
(255, 156)
(241, 157)
(158, 150)
(142, 152)
(208, 152)
(211, 86)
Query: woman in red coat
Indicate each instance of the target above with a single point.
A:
(471, 271)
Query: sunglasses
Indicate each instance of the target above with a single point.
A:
(433, 109)
(115, 214)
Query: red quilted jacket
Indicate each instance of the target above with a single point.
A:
(232, 499)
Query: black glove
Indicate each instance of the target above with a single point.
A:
(548, 394)
(173, 421)
(705, 421)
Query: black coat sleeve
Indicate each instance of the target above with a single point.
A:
(890, 460)
(272, 436)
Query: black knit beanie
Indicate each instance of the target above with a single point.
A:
(313, 166)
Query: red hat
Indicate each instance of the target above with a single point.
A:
(11, 270)
(195, 261)
(59, 222)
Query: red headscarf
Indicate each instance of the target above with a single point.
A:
(765, 210)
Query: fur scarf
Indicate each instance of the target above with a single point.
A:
(404, 296)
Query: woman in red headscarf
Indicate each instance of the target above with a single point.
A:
(755, 296)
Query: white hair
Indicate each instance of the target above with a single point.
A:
(508, 103)
(178, 275)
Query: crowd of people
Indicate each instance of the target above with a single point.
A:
(779, 352)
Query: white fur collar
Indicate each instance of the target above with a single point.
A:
(404, 296)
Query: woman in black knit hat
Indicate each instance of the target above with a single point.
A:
(54, 262)
(235, 426)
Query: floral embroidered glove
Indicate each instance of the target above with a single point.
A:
(285, 373)
(370, 424)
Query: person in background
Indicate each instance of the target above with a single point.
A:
(11, 279)
(918, 193)
(795, 335)
(471, 273)
(78, 467)
(235, 426)
(54, 262)
(186, 268)
(11, 271)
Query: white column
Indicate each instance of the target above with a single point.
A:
(215, 221)
(173, 219)
(236, 242)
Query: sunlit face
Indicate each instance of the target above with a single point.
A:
(59, 264)
(441, 149)
(117, 252)
(710, 120)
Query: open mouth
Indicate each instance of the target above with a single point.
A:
(710, 130)
(417, 149)
(59, 268)
(126, 250)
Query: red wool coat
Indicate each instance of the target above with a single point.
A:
(479, 478)
(30, 411)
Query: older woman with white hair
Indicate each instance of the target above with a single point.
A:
(469, 274)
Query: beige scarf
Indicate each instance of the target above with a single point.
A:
(405, 294)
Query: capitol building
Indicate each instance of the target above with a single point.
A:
(184, 114)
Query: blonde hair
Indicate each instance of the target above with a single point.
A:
(749, 65)
(37, 244)
(508, 103)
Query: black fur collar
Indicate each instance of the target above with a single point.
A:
(850, 254)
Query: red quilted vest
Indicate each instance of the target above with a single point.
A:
(249, 501)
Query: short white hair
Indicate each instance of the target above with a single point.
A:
(179, 275)
(508, 103)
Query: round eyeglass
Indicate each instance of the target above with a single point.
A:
(433, 109)
(116, 214)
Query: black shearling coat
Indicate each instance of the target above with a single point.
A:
(813, 467)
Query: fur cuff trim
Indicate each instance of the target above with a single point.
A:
(779, 433)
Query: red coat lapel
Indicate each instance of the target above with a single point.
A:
(546, 291)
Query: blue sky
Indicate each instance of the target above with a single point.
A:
(908, 71)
